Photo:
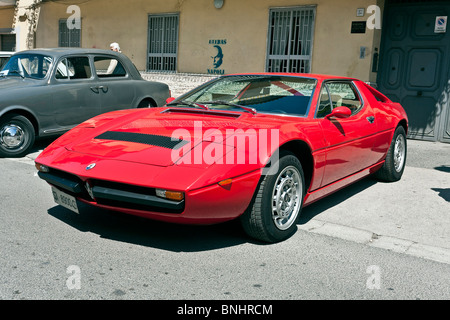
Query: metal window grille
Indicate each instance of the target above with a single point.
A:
(291, 32)
(162, 42)
(7, 42)
(68, 37)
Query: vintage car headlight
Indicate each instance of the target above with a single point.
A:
(42, 168)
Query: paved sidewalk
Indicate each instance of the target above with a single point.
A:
(179, 83)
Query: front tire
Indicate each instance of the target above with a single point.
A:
(273, 213)
(394, 165)
(16, 136)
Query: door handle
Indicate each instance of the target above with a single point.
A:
(98, 88)
(371, 119)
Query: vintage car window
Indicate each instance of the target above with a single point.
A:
(336, 94)
(33, 66)
(73, 68)
(344, 94)
(264, 93)
(108, 67)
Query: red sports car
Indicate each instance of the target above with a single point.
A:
(254, 146)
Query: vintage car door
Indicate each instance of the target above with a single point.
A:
(350, 140)
(116, 87)
(75, 94)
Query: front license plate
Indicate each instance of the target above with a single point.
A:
(65, 200)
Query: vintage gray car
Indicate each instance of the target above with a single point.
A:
(46, 92)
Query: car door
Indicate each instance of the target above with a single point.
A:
(350, 140)
(75, 96)
(116, 87)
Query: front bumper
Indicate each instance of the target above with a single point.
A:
(114, 185)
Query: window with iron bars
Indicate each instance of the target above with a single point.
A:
(68, 37)
(162, 42)
(291, 33)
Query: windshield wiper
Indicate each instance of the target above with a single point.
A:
(248, 109)
(188, 103)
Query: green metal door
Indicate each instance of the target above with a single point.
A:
(414, 65)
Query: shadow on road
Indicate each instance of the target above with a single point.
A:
(150, 233)
(443, 193)
(443, 168)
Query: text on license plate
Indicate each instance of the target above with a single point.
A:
(65, 200)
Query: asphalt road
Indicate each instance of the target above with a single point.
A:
(369, 241)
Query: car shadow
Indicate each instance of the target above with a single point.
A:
(314, 209)
(443, 193)
(443, 169)
(150, 233)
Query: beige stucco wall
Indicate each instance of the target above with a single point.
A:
(243, 24)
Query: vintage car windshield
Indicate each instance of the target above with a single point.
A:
(33, 66)
(258, 93)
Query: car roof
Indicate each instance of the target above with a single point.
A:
(57, 52)
(291, 74)
(6, 53)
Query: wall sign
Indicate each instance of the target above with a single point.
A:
(358, 27)
(217, 57)
(441, 24)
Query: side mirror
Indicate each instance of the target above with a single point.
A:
(340, 113)
(169, 100)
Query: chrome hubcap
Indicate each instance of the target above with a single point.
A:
(399, 153)
(286, 198)
(12, 136)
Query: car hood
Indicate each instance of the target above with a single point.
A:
(159, 136)
(15, 82)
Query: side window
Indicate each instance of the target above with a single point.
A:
(108, 67)
(73, 68)
(338, 94)
(343, 94)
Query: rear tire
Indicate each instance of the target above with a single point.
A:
(394, 165)
(273, 213)
(17, 136)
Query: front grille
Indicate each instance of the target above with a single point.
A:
(113, 194)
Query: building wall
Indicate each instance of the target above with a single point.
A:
(243, 24)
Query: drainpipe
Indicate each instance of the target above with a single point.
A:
(26, 18)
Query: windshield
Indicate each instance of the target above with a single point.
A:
(257, 93)
(34, 66)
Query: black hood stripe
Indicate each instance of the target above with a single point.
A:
(149, 139)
